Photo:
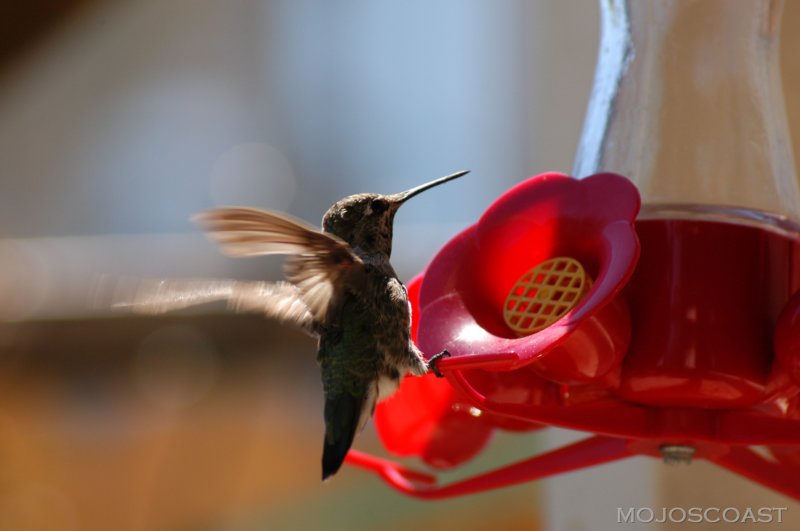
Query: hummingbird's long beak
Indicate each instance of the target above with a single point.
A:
(402, 197)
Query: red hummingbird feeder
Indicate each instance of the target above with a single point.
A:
(673, 331)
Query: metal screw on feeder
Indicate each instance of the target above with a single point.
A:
(677, 454)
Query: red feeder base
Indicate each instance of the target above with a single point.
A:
(695, 348)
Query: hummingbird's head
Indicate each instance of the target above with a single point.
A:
(365, 220)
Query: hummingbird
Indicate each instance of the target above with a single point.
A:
(340, 287)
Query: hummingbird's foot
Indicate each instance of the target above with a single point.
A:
(434, 359)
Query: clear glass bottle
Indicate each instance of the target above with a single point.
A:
(688, 104)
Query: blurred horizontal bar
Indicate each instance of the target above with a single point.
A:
(52, 278)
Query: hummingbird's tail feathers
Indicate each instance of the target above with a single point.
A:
(276, 300)
(342, 419)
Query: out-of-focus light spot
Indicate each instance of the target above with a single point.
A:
(782, 404)
(24, 281)
(175, 367)
(475, 412)
(253, 174)
(764, 452)
(471, 332)
(36, 506)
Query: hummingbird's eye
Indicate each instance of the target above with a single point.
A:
(379, 206)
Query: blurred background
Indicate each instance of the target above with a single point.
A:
(120, 119)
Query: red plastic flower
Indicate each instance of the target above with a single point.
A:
(459, 303)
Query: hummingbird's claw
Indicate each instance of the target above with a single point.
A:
(434, 359)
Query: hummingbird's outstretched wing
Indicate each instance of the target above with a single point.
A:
(278, 300)
(319, 260)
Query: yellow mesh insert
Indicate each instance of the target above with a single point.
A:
(544, 294)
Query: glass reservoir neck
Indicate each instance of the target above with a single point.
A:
(687, 103)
